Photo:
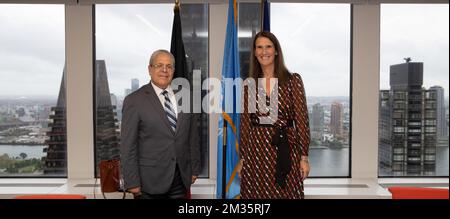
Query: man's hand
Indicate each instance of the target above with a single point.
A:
(193, 179)
(136, 191)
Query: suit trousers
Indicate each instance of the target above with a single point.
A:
(177, 189)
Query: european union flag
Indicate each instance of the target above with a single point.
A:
(228, 136)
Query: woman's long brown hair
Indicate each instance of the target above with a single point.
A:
(281, 72)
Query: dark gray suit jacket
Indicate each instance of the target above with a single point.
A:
(150, 149)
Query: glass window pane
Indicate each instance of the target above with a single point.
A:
(32, 91)
(126, 36)
(249, 24)
(414, 89)
(315, 39)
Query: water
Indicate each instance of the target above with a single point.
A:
(442, 161)
(329, 162)
(335, 162)
(35, 151)
(324, 162)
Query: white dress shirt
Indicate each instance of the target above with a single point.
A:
(172, 98)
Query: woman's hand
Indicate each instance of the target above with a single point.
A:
(304, 167)
(239, 167)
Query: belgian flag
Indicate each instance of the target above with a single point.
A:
(177, 50)
(177, 46)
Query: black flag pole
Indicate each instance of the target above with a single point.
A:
(261, 13)
(224, 161)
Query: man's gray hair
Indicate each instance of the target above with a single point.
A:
(160, 51)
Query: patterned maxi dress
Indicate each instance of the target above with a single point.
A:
(258, 172)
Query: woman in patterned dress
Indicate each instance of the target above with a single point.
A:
(271, 165)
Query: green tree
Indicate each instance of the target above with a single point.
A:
(12, 168)
(23, 155)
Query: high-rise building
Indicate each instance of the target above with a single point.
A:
(446, 119)
(107, 135)
(336, 120)
(385, 152)
(441, 121)
(134, 84)
(317, 122)
(127, 91)
(55, 161)
(114, 100)
(407, 126)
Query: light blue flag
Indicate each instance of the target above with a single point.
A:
(230, 117)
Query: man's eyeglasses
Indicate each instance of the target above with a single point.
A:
(161, 66)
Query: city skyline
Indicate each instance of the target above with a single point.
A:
(328, 140)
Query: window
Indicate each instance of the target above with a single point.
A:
(430, 105)
(399, 95)
(315, 39)
(126, 36)
(32, 91)
(430, 122)
(414, 130)
(414, 123)
(431, 114)
(248, 26)
(399, 105)
(414, 145)
(399, 129)
(398, 157)
(414, 67)
(398, 150)
(430, 129)
(304, 52)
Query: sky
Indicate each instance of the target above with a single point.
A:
(419, 32)
(146, 28)
(31, 49)
(316, 44)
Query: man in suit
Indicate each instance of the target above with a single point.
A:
(160, 149)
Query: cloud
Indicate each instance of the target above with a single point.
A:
(316, 44)
(126, 35)
(32, 49)
(419, 32)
